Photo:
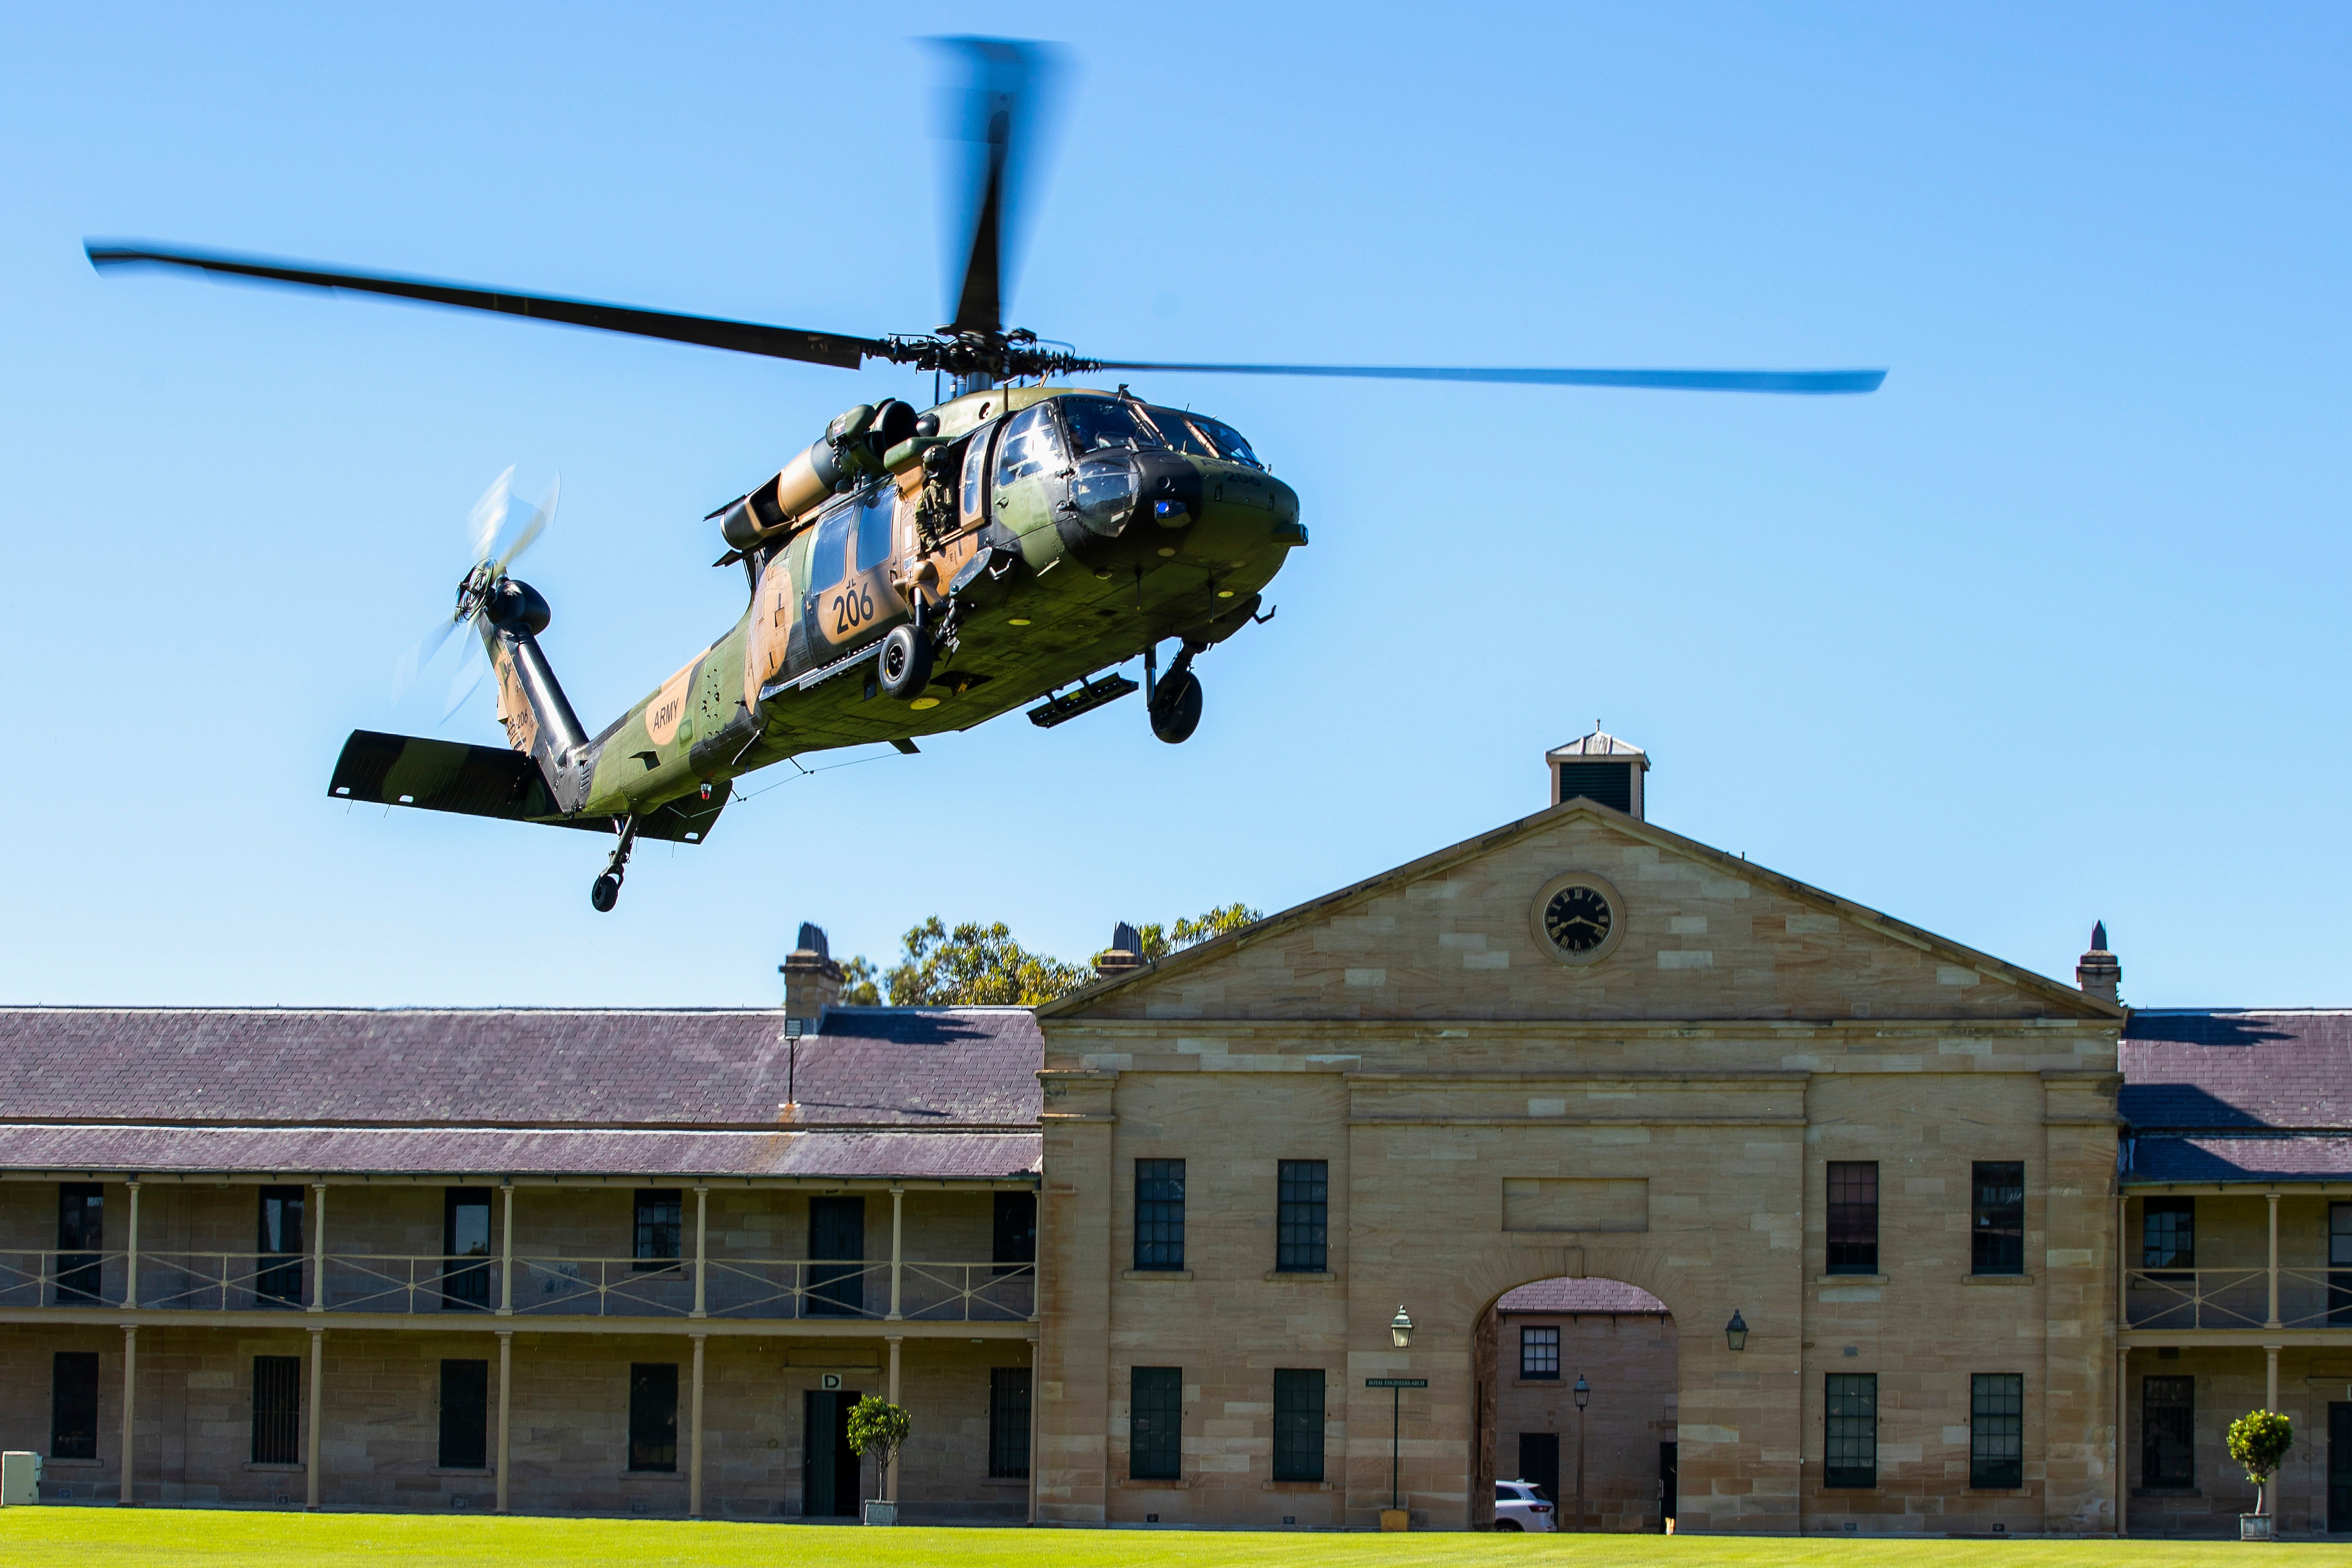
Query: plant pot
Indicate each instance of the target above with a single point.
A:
(880, 1512)
(2254, 1527)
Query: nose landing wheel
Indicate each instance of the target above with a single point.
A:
(605, 891)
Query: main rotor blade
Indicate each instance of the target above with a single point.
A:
(1800, 381)
(708, 332)
(997, 106)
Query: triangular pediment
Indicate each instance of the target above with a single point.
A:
(1704, 936)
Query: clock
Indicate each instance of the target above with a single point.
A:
(1579, 919)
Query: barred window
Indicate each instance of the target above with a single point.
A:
(1158, 1214)
(1539, 1352)
(1302, 1218)
(1854, 1217)
(1851, 1456)
(1015, 1245)
(1997, 1240)
(1299, 1424)
(2168, 1431)
(73, 1405)
(1155, 1442)
(658, 1225)
(1008, 1423)
(2168, 1233)
(277, 1410)
(1997, 1429)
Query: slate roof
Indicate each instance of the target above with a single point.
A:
(1579, 1296)
(2238, 1158)
(2225, 1094)
(928, 1092)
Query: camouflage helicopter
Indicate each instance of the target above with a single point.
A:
(911, 571)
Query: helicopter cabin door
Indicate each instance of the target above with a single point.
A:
(850, 599)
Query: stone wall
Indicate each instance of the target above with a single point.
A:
(379, 1440)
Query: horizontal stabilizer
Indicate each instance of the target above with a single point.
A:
(488, 781)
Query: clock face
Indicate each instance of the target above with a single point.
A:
(1577, 919)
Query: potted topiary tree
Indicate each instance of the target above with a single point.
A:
(2259, 1440)
(878, 1427)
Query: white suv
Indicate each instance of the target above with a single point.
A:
(1523, 1505)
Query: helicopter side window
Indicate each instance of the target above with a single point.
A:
(1178, 433)
(826, 561)
(1029, 445)
(975, 469)
(1097, 422)
(875, 514)
(1229, 445)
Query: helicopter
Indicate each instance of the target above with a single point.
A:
(910, 572)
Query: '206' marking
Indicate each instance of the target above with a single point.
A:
(852, 608)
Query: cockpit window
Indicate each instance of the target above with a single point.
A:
(1229, 445)
(1099, 423)
(1178, 433)
(1027, 446)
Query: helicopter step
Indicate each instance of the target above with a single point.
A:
(1068, 706)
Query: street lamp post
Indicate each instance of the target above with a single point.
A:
(1393, 1517)
(1583, 1396)
(1401, 1331)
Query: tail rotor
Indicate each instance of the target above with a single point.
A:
(496, 515)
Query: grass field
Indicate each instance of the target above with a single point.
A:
(192, 1537)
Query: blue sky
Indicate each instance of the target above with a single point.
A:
(2049, 630)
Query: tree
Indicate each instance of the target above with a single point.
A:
(973, 964)
(857, 984)
(976, 966)
(2259, 1440)
(878, 1427)
(1159, 941)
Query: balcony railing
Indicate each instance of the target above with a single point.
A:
(541, 1286)
(2237, 1298)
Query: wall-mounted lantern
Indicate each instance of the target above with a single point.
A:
(1401, 1328)
(1735, 1333)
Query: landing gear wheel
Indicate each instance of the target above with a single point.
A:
(606, 894)
(1176, 708)
(905, 664)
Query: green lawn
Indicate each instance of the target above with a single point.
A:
(101, 1538)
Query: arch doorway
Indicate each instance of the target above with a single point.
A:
(1532, 1345)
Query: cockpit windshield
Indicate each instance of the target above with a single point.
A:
(1229, 442)
(1179, 434)
(1097, 424)
(1203, 438)
(1101, 422)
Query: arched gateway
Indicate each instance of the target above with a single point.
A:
(1867, 1169)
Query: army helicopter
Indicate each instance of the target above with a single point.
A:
(910, 572)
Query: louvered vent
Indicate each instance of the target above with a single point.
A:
(1608, 783)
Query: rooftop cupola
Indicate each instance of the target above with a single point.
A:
(811, 979)
(1600, 768)
(2098, 971)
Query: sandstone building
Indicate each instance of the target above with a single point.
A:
(1849, 1228)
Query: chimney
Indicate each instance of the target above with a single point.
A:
(1601, 769)
(2097, 971)
(811, 979)
(1123, 957)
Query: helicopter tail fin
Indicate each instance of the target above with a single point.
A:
(539, 720)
